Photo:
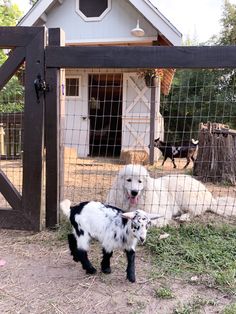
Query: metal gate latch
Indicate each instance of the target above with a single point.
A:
(40, 86)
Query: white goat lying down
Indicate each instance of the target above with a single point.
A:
(110, 226)
(176, 196)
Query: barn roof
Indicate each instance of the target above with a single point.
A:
(164, 27)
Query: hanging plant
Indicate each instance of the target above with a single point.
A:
(149, 74)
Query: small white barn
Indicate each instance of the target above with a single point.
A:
(108, 110)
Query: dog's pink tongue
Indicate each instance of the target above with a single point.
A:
(134, 200)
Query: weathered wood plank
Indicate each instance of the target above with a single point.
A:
(10, 193)
(14, 219)
(154, 84)
(20, 36)
(11, 65)
(142, 57)
(54, 158)
(33, 132)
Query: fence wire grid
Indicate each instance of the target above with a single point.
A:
(12, 131)
(107, 125)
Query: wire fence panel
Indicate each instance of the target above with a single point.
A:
(107, 125)
(11, 131)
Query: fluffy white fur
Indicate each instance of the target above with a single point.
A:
(101, 222)
(113, 228)
(173, 196)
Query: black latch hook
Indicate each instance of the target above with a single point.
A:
(40, 86)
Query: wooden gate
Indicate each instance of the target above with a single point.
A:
(27, 47)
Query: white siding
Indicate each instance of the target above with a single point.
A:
(115, 26)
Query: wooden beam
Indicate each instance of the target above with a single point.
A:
(11, 36)
(11, 65)
(33, 131)
(141, 57)
(10, 193)
(53, 129)
(14, 219)
(44, 17)
(155, 83)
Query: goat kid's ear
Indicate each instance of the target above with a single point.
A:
(128, 215)
(195, 141)
(154, 216)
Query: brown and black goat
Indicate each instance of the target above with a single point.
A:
(178, 150)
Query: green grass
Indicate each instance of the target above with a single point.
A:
(64, 229)
(194, 306)
(230, 309)
(164, 293)
(208, 252)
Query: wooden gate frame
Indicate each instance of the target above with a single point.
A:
(27, 44)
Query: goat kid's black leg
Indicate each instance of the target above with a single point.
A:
(83, 258)
(173, 162)
(73, 247)
(80, 255)
(188, 161)
(163, 161)
(131, 265)
(105, 264)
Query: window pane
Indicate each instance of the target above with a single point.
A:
(93, 8)
(72, 87)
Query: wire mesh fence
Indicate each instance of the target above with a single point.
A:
(11, 131)
(107, 125)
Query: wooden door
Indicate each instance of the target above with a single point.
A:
(76, 113)
(136, 113)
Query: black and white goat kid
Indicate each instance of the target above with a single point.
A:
(113, 228)
(178, 150)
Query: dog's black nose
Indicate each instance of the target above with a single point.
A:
(134, 193)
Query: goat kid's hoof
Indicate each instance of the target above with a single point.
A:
(131, 279)
(106, 270)
(91, 271)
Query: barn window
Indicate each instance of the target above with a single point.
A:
(93, 10)
(73, 86)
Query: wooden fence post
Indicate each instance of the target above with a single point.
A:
(33, 132)
(54, 155)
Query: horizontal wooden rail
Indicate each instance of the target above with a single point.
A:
(15, 219)
(11, 36)
(10, 192)
(141, 57)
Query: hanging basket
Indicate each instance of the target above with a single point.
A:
(151, 80)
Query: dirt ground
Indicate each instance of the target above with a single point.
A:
(39, 275)
(91, 178)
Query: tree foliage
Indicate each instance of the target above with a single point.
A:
(228, 21)
(9, 13)
(11, 96)
(202, 95)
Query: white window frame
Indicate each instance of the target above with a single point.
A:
(80, 80)
(93, 19)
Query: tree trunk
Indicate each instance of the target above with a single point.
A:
(216, 159)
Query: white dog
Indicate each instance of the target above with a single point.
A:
(174, 196)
